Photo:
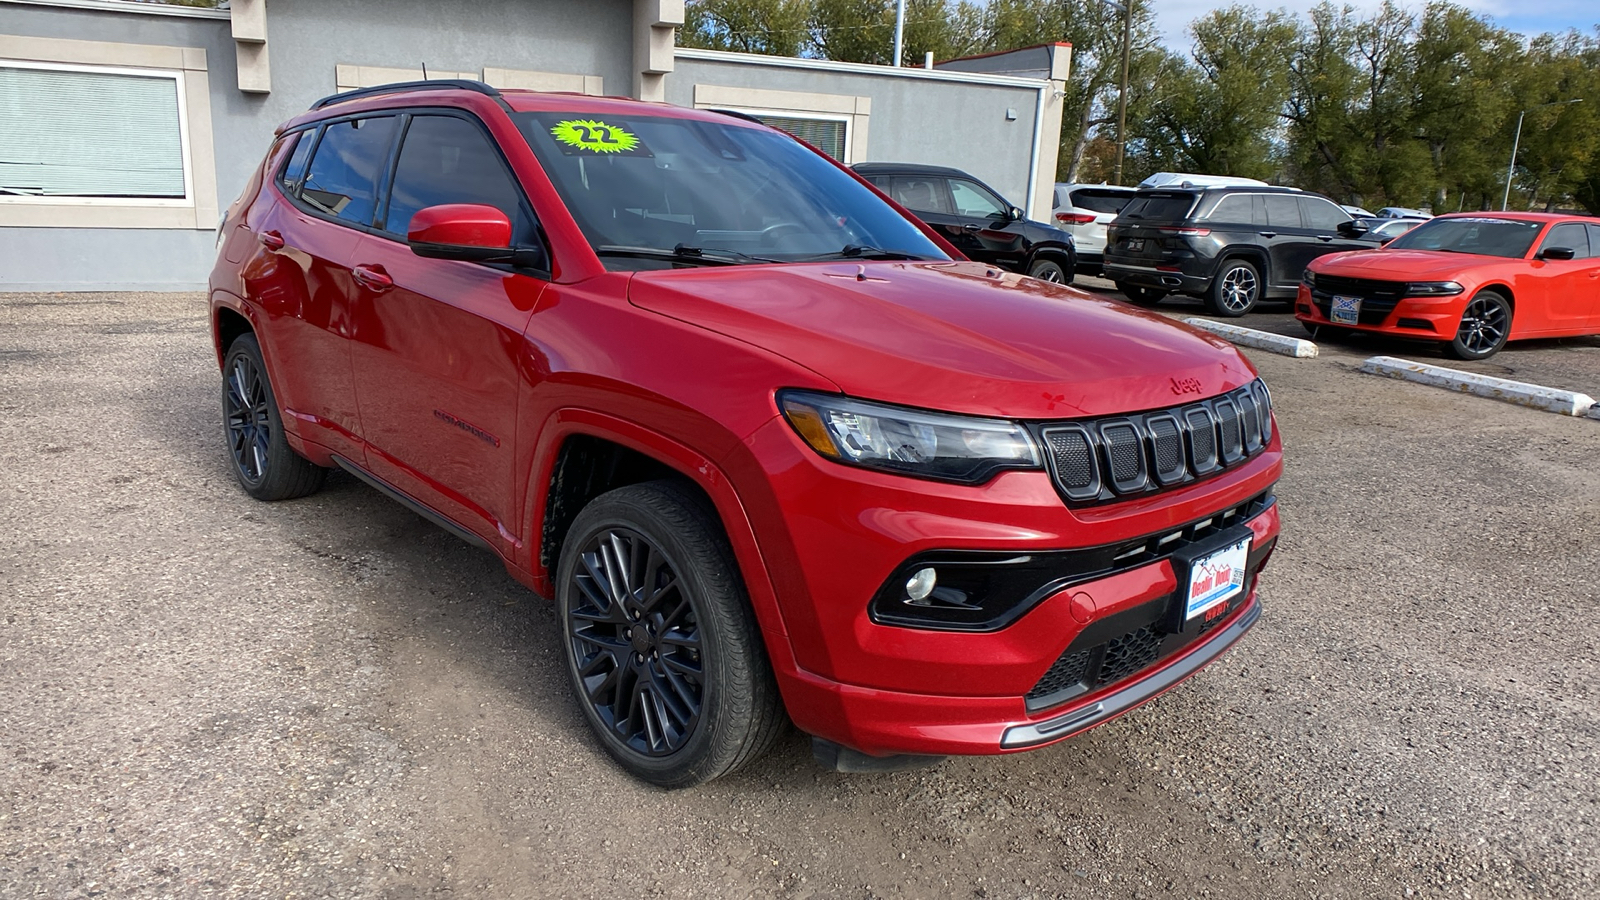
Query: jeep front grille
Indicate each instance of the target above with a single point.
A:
(1120, 456)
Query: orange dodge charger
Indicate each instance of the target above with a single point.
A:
(1471, 281)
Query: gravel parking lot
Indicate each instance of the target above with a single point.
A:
(202, 695)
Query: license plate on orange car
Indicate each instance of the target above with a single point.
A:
(1345, 310)
(1215, 578)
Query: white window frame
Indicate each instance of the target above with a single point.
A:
(186, 66)
(176, 78)
(854, 111)
(846, 118)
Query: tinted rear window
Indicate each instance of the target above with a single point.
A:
(1100, 200)
(1163, 206)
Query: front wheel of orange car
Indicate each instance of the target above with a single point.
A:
(661, 645)
(1485, 326)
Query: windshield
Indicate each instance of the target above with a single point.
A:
(659, 191)
(1483, 235)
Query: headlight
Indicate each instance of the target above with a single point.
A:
(1310, 278)
(908, 441)
(1433, 289)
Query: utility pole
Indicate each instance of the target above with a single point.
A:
(1126, 8)
(1122, 92)
(899, 30)
(1516, 144)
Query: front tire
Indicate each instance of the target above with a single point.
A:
(1140, 296)
(661, 645)
(1235, 291)
(1485, 326)
(263, 462)
(1050, 270)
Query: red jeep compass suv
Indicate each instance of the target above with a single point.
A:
(774, 448)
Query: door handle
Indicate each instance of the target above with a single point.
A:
(971, 227)
(271, 240)
(1268, 234)
(1324, 237)
(373, 278)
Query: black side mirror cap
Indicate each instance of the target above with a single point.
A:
(1351, 228)
(1016, 213)
(1557, 253)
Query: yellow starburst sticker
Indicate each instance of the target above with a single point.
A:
(595, 136)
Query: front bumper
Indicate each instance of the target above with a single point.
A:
(830, 536)
(1418, 317)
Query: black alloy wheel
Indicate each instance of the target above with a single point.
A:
(263, 462)
(1236, 289)
(1140, 296)
(636, 639)
(1485, 326)
(661, 644)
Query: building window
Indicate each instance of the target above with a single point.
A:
(95, 134)
(831, 136)
(90, 132)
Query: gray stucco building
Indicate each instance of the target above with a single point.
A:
(126, 127)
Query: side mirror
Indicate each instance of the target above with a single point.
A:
(1015, 213)
(1351, 228)
(1557, 253)
(472, 232)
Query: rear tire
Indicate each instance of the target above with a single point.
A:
(662, 648)
(1140, 296)
(263, 462)
(1235, 290)
(1485, 326)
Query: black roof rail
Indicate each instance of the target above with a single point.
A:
(436, 84)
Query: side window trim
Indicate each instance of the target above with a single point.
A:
(387, 184)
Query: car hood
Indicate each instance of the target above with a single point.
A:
(955, 336)
(1400, 265)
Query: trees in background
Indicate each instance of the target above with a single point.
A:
(1388, 108)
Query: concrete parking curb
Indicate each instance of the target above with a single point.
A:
(1567, 403)
(1261, 340)
(1594, 411)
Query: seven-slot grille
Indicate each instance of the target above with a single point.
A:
(1119, 456)
(1378, 298)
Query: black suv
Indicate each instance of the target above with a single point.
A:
(1231, 246)
(978, 221)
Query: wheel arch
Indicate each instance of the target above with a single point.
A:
(1255, 256)
(230, 318)
(583, 453)
(1066, 252)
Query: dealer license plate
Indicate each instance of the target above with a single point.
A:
(1135, 244)
(1214, 579)
(1345, 310)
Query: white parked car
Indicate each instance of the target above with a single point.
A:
(1400, 212)
(1082, 210)
(1189, 179)
(1359, 212)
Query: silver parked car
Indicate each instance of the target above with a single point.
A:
(1083, 210)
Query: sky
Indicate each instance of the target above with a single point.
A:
(1173, 16)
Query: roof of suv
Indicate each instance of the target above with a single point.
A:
(893, 168)
(463, 92)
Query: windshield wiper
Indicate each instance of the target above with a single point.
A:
(862, 251)
(682, 253)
